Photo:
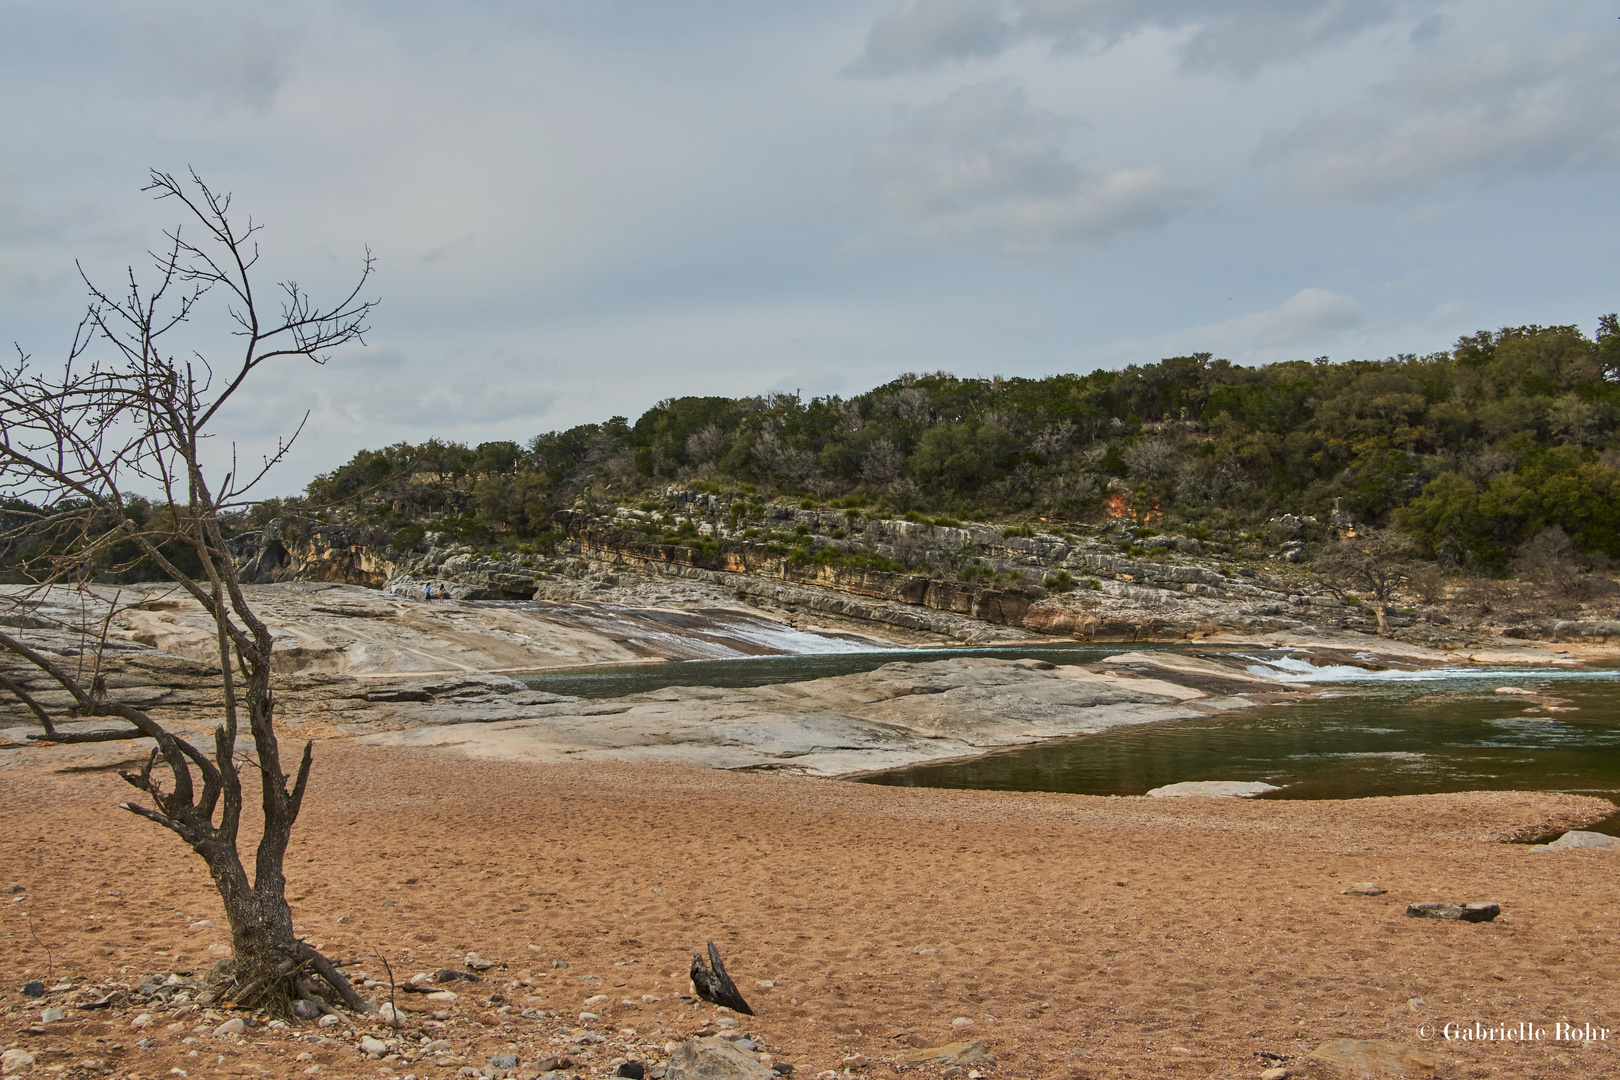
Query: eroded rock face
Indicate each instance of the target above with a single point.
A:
(1576, 840)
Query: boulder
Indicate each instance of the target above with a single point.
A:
(714, 1059)
(1571, 840)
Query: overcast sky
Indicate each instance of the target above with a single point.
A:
(581, 207)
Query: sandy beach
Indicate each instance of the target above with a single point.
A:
(1074, 936)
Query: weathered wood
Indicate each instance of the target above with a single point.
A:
(714, 985)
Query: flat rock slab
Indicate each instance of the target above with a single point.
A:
(1592, 841)
(1218, 789)
(1479, 911)
(1372, 1059)
(962, 1053)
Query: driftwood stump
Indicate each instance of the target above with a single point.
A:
(715, 985)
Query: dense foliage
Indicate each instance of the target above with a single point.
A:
(1473, 452)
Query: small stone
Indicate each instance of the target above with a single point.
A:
(596, 999)
(51, 1015)
(651, 998)
(1415, 1004)
(961, 1022)
(727, 1021)
(782, 1068)
(764, 984)
(635, 1070)
(305, 1009)
(442, 1046)
(373, 1046)
(16, 1063)
(1279, 1073)
(141, 1021)
(587, 1017)
(478, 963)
(855, 1061)
(1365, 888)
(951, 1072)
(392, 1016)
(747, 1044)
(146, 1044)
(443, 995)
(305, 1056)
(1432, 910)
(234, 1026)
(200, 924)
(1480, 911)
(922, 950)
(35, 989)
(329, 1020)
(504, 1061)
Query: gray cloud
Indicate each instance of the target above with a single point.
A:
(984, 169)
(1497, 111)
(227, 57)
(1239, 37)
(921, 33)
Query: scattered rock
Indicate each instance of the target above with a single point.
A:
(714, 1059)
(200, 924)
(1373, 1058)
(305, 1009)
(747, 1044)
(51, 1015)
(373, 1046)
(234, 1026)
(16, 1063)
(596, 999)
(635, 1070)
(961, 1022)
(330, 1021)
(1479, 911)
(504, 1061)
(1365, 888)
(962, 1053)
(1571, 840)
(1218, 789)
(33, 989)
(391, 1016)
(1278, 1073)
(477, 963)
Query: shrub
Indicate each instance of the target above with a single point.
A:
(408, 538)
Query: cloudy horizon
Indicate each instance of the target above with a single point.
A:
(579, 209)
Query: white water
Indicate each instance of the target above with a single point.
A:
(1290, 669)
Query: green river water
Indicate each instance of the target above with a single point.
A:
(1370, 733)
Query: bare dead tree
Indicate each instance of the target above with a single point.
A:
(110, 448)
(1373, 563)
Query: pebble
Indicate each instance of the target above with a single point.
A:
(747, 1044)
(504, 1061)
(33, 989)
(305, 1009)
(371, 1045)
(596, 999)
(478, 963)
(1278, 1073)
(201, 924)
(727, 1021)
(329, 1021)
(961, 1022)
(443, 995)
(16, 1062)
(586, 1017)
(234, 1026)
(141, 1020)
(49, 1015)
(1365, 888)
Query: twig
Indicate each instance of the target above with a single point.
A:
(50, 962)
